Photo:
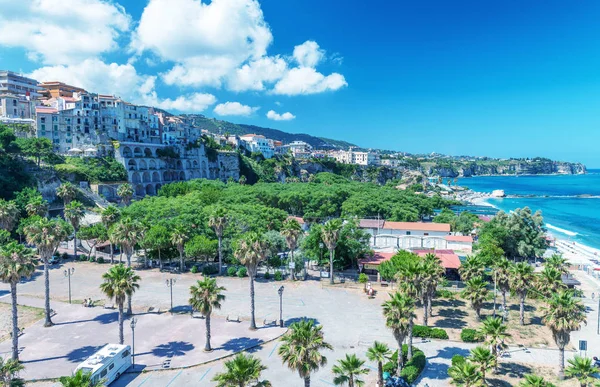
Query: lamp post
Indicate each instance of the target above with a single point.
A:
(495, 285)
(280, 291)
(68, 273)
(170, 282)
(132, 325)
(321, 245)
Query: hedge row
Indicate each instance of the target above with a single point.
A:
(469, 335)
(428, 332)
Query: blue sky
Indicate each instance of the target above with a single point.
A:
(495, 78)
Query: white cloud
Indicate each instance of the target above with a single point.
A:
(64, 32)
(272, 115)
(254, 75)
(307, 80)
(122, 80)
(308, 54)
(234, 109)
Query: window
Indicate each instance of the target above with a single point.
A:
(425, 233)
(14, 102)
(55, 127)
(408, 233)
(43, 119)
(126, 353)
(103, 373)
(111, 366)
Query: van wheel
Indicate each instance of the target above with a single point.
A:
(118, 375)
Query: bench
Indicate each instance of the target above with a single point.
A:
(20, 332)
(237, 320)
(269, 323)
(109, 306)
(196, 314)
(154, 309)
(384, 283)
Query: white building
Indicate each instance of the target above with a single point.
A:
(258, 143)
(360, 158)
(13, 83)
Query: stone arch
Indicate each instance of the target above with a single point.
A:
(434, 242)
(135, 178)
(146, 177)
(107, 192)
(126, 152)
(179, 164)
(137, 152)
(148, 152)
(162, 164)
(195, 163)
(142, 166)
(166, 176)
(132, 165)
(158, 187)
(152, 164)
(139, 190)
(203, 169)
(155, 177)
(181, 175)
(150, 189)
(188, 165)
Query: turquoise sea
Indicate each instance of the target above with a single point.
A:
(570, 204)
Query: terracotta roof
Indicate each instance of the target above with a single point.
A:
(376, 259)
(299, 219)
(45, 109)
(371, 223)
(459, 238)
(417, 226)
(448, 258)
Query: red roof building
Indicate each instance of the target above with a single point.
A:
(448, 258)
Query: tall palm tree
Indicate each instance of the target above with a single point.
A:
(476, 292)
(125, 192)
(549, 281)
(582, 369)
(495, 332)
(398, 312)
(301, 348)
(9, 213)
(330, 235)
(109, 217)
(291, 231)
(472, 267)
(348, 371)
(251, 250)
(37, 206)
(379, 353)
(74, 212)
(178, 239)
(558, 262)
(80, 379)
(46, 235)
(218, 222)
(241, 371)
(120, 282)
(535, 381)
(521, 280)
(563, 315)
(67, 192)
(205, 296)
(466, 374)
(16, 262)
(483, 358)
(433, 273)
(502, 273)
(9, 371)
(410, 278)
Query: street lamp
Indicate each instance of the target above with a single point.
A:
(68, 273)
(170, 282)
(321, 245)
(280, 291)
(132, 325)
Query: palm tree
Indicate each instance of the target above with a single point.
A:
(472, 267)
(46, 235)
(582, 369)
(250, 251)
(410, 278)
(67, 192)
(37, 206)
(466, 374)
(241, 371)
(398, 312)
(348, 371)
(218, 221)
(178, 238)
(379, 353)
(125, 192)
(483, 358)
(9, 213)
(433, 273)
(476, 292)
(330, 235)
(494, 332)
(205, 296)
(549, 281)
(291, 231)
(521, 280)
(535, 381)
(16, 262)
(80, 379)
(120, 282)
(9, 370)
(563, 315)
(301, 348)
(559, 263)
(74, 212)
(502, 273)
(109, 217)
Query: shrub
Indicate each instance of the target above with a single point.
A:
(267, 275)
(438, 333)
(469, 335)
(56, 254)
(278, 276)
(65, 256)
(427, 332)
(100, 259)
(231, 270)
(92, 259)
(444, 293)
(83, 258)
(412, 369)
(363, 278)
(242, 272)
(410, 373)
(210, 269)
(194, 269)
(458, 360)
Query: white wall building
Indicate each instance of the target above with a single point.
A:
(258, 143)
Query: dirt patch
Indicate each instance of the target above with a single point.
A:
(510, 374)
(27, 316)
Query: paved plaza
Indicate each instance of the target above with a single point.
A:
(351, 322)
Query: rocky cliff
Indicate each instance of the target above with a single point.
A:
(512, 167)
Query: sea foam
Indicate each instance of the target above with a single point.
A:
(561, 230)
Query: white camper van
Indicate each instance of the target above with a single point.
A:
(108, 363)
